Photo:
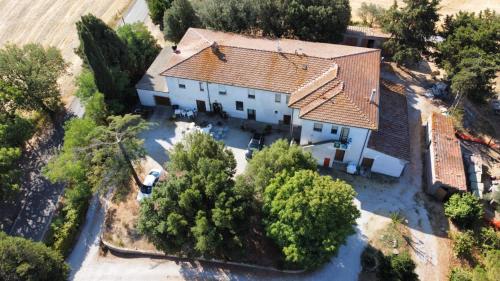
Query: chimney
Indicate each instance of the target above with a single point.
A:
(174, 48)
(278, 47)
(372, 96)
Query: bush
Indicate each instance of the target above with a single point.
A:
(309, 216)
(463, 242)
(22, 259)
(463, 209)
(460, 274)
(397, 268)
(490, 239)
(64, 228)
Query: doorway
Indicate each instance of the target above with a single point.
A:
(251, 114)
(287, 119)
(367, 163)
(344, 134)
(159, 100)
(326, 162)
(371, 43)
(339, 155)
(200, 105)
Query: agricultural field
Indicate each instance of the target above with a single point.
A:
(447, 6)
(52, 22)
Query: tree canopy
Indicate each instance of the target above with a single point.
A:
(29, 76)
(197, 211)
(371, 14)
(309, 216)
(24, 260)
(178, 19)
(411, 28)
(142, 48)
(272, 160)
(156, 10)
(105, 54)
(470, 53)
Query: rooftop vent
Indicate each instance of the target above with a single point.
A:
(372, 96)
(174, 49)
(278, 47)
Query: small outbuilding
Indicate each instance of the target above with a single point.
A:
(363, 36)
(444, 165)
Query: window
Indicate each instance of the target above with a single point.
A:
(222, 90)
(181, 84)
(334, 130)
(344, 134)
(287, 99)
(318, 127)
(277, 98)
(239, 105)
(251, 94)
(202, 87)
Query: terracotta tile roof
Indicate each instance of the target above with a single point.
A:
(446, 153)
(299, 68)
(393, 135)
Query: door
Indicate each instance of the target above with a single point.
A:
(200, 105)
(287, 119)
(339, 155)
(251, 114)
(159, 100)
(367, 163)
(371, 43)
(326, 162)
(344, 135)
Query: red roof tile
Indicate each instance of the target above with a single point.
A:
(446, 153)
(288, 66)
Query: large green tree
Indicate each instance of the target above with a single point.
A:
(156, 10)
(32, 72)
(24, 260)
(142, 48)
(316, 20)
(411, 28)
(105, 54)
(470, 53)
(309, 216)
(272, 160)
(371, 14)
(197, 210)
(178, 19)
(228, 15)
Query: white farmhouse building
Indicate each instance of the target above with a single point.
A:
(328, 94)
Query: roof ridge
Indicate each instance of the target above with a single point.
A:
(333, 70)
(330, 94)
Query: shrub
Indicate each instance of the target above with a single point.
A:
(490, 239)
(397, 268)
(463, 242)
(460, 274)
(463, 209)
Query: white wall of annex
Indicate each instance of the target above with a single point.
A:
(385, 164)
(147, 98)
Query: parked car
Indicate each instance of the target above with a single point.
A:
(144, 111)
(147, 185)
(256, 143)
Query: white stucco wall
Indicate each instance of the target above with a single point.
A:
(267, 110)
(146, 97)
(357, 135)
(385, 164)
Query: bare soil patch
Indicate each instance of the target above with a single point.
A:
(447, 6)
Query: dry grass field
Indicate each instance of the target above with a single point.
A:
(447, 6)
(52, 22)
